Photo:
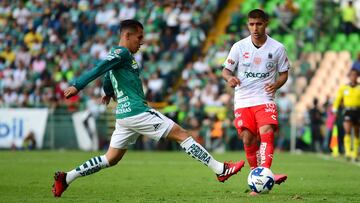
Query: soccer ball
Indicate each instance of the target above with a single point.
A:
(261, 180)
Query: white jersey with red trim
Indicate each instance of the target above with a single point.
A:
(256, 67)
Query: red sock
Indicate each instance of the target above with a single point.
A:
(251, 155)
(267, 149)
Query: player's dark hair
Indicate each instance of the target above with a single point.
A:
(258, 13)
(355, 71)
(130, 24)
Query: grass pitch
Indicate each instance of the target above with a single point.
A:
(27, 176)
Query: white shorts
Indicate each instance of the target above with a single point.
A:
(151, 123)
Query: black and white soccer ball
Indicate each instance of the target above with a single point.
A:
(261, 180)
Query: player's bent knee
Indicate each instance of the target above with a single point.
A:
(267, 129)
(249, 139)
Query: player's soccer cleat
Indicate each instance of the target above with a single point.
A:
(60, 184)
(229, 170)
(280, 178)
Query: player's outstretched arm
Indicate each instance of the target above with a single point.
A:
(70, 91)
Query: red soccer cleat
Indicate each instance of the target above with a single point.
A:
(280, 178)
(229, 170)
(60, 184)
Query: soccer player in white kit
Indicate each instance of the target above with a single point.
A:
(257, 59)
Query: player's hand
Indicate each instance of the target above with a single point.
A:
(233, 81)
(270, 88)
(70, 91)
(106, 99)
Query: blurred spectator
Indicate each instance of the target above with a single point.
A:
(330, 121)
(236, 20)
(284, 112)
(185, 17)
(8, 54)
(200, 66)
(23, 56)
(315, 116)
(349, 18)
(231, 136)
(217, 135)
(155, 85)
(182, 39)
(29, 141)
(38, 65)
(32, 37)
(171, 15)
(309, 32)
(286, 13)
(127, 11)
(356, 64)
(21, 14)
(20, 74)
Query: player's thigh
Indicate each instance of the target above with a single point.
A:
(123, 135)
(245, 122)
(266, 117)
(153, 124)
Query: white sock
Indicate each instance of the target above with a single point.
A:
(199, 153)
(91, 166)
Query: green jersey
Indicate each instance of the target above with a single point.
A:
(121, 79)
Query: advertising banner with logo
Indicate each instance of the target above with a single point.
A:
(16, 124)
(85, 129)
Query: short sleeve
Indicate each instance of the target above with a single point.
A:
(283, 61)
(232, 60)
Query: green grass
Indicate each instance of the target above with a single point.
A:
(172, 177)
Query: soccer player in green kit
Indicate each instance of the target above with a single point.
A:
(133, 116)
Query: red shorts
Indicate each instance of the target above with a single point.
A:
(252, 118)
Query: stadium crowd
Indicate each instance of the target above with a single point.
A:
(46, 44)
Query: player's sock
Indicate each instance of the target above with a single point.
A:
(267, 149)
(258, 157)
(347, 145)
(91, 166)
(251, 155)
(199, 153)
(355, 148)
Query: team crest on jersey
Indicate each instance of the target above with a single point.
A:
(113, 54)
(239, 123)
(134, 65)
(257, 60)
(246, 55)
(270, 65)
(232, 62)
(117, 51)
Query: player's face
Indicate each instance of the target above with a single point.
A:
(136, 40)
(257, 27)
(353, 76)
